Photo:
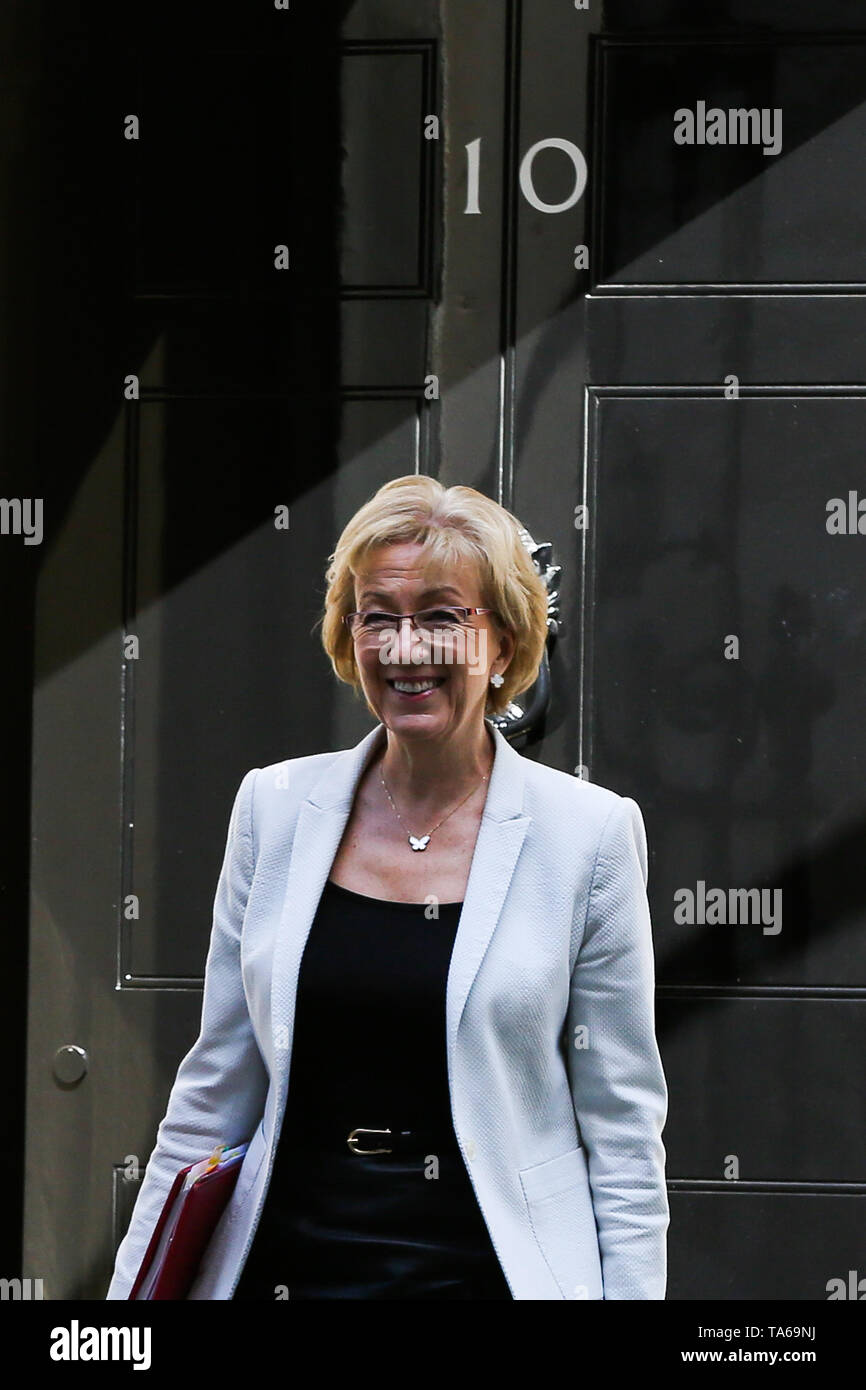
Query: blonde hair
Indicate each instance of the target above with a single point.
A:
(451, 523)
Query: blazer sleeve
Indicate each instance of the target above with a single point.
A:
(617, 1082)
(220, 1089)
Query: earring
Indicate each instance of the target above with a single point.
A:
(497, 680)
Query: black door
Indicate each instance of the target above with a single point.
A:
(284, 255)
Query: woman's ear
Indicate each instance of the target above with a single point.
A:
(507, 646)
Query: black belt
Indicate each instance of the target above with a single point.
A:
(400, 1141)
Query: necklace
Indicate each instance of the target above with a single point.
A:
(420, 842)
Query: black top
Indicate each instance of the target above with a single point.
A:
(369, 1050)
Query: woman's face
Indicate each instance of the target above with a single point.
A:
(394, 581)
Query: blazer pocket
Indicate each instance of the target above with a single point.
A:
(559, 1203)
(554, 1174)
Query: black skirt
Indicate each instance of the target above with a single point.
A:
(369, 1050)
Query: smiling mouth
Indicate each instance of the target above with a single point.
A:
(416, 689)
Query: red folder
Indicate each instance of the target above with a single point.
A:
(187, 1221)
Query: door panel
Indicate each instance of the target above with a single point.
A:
(729, 214)
(235, 389)
(718, 266)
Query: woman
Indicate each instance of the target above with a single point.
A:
(449, 947)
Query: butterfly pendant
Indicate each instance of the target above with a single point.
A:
(419, 842)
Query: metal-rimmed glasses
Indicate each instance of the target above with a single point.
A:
(441, 620)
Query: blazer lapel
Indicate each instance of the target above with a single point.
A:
(321, 822)
(500, 838)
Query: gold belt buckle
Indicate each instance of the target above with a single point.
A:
(351, 1141)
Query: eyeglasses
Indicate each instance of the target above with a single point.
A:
(439, 621)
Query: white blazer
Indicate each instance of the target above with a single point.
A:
(558, 1095)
